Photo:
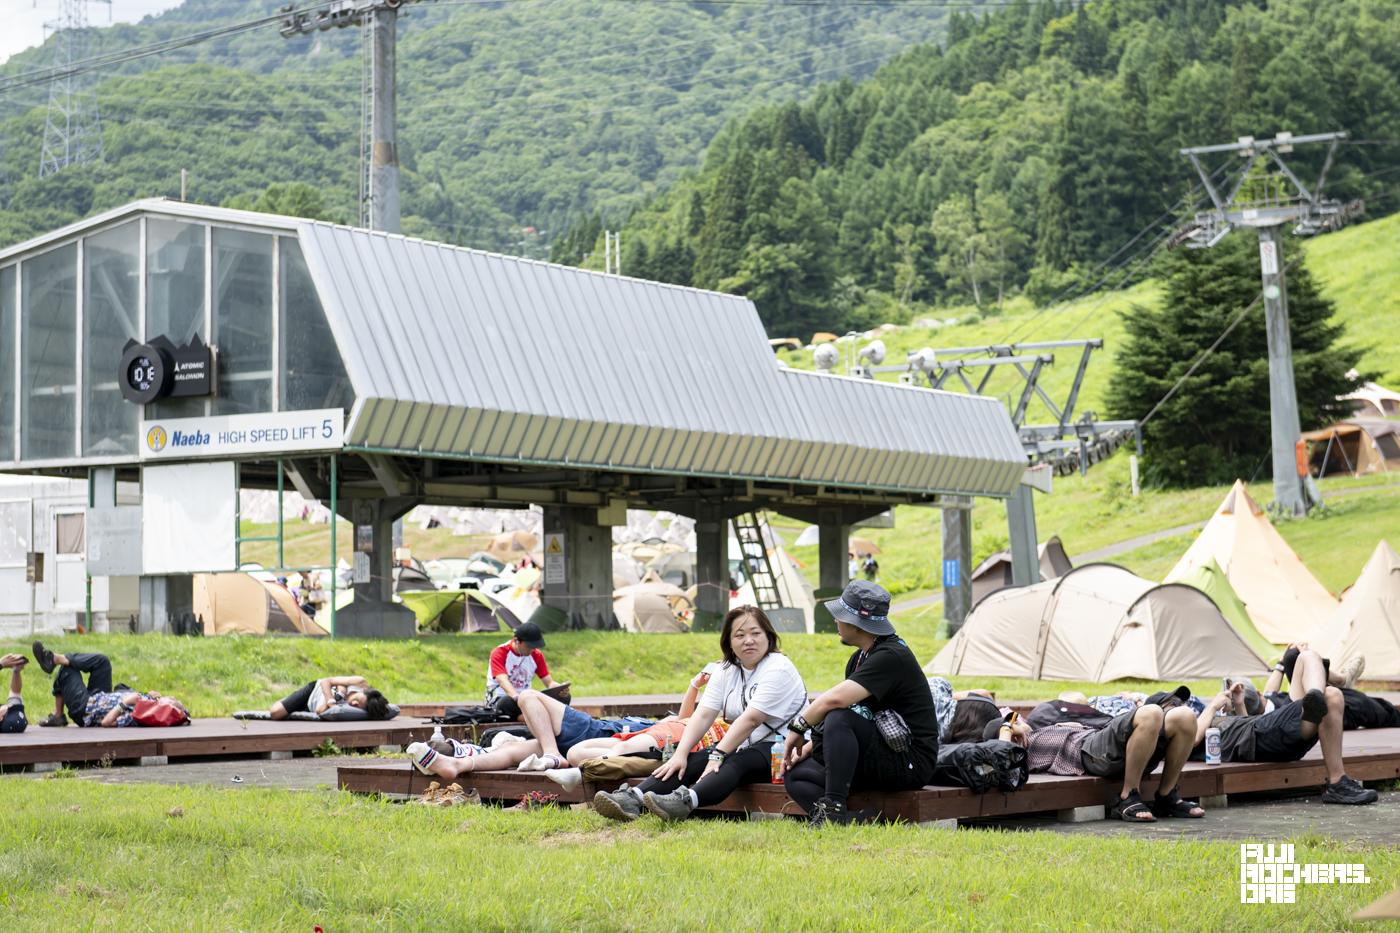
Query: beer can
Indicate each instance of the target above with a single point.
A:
(1212, 746)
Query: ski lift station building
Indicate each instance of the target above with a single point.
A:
(169, 354)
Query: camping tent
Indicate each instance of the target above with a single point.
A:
(1283, 599)
(459, 611)
(510, 546)
(238, 604)
(1354, 447)
(651, 607)
(1211, 580)
(1374, 401)
(1368, 620)
(994, 573)
(1098, 622)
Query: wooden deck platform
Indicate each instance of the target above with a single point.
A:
(205, 737)
(1370, 755)
(649, 705)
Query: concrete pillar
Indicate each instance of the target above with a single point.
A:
(585, 594)
(162, 600)
(957, 561)
(1025, 554)
(833, 548)
(374, 614)
(711, 568)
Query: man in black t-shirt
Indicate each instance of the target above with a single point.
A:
(847, 749)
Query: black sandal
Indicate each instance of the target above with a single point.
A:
(1130, 810)
(1172, 806)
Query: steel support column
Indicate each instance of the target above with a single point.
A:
(1025, 551)
(1291, 495)
(957, 546)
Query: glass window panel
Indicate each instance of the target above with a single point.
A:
(14, 533)
(175, 297)
(111, 317)
(7, 362)
(49, 368)
(68, 533)
(313, 374)
(243, 321)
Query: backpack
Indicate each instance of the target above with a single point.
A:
(470, 716)
(983, 766)
(1054, 712)
(159, 712)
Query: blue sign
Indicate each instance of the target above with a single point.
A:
(952, 574)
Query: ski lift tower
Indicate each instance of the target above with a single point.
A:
(1288, 201)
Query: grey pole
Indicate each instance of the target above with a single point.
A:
(384, 152)
(957, 546)
(1290, 496)
(1025, 552)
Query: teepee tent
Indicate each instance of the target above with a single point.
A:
(1368, 620)
(1098, 622)
(240, 604)
(1284, 600)
(652, 606)
(1211, 580)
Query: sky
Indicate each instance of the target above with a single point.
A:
(22, 21)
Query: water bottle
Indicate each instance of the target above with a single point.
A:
(1212, 746)
(437, 734)
(776, 757)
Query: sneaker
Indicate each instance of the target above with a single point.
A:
(44, 656)
(54, 719)
(1351, 671)
(1314, 706)
(828, 812)
(1349, 791)
(621, 805)
(671, 807)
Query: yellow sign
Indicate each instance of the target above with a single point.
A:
(554, 545)
(155, 438)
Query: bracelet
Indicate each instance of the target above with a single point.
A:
(799, 725)
(1279, 667)
(716, 754)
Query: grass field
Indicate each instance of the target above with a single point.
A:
(148, 857)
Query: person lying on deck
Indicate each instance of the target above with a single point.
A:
(320, 695)
(850, 748)
(1287, 733)
(94, 703)
(1359, 710)
(757, 690)
(12, 713)
(1128, 747)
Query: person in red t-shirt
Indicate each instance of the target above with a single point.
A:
(512, 668)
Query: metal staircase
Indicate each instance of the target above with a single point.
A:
(748, 531)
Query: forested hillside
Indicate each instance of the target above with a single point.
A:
(1024, 155)
(515, 116)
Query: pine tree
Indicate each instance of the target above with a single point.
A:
(1216, 428)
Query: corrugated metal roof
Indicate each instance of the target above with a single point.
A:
(463, 353)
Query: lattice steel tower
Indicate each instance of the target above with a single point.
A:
(73, 130)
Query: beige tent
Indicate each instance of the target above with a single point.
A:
(652, 607)
(510, 546)
(1354, 447)
(238, 604)
(1284, 600)
(1374, 401)
(994, 573)
(1368, 620)
(1098, 622)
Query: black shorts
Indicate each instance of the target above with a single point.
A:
(297, 700)
(1105, 752)
(1278, 735)
(13, 719)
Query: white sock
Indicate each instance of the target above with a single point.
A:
(694, 800)
(567, 778)
(635, 791)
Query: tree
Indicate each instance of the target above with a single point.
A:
(961, 248)
(291, 199)
(1216, 428)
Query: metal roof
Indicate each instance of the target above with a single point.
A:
(459, 353)
(468, 354)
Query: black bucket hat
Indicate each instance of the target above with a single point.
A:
(865, 605)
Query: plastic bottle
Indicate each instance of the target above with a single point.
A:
(437, 734)
(776, 757)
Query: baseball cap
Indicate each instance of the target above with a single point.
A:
(529, 635)
(1169, 699)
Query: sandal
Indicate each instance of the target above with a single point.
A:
(1131, 809)
(1171, 805)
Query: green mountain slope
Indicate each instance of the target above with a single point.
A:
(515, 114)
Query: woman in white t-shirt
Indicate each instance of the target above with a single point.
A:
(758, 691)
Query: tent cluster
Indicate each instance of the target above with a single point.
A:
(1237, 594)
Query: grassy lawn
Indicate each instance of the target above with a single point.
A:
(274, 860)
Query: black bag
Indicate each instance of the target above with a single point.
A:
(983, 766)
(470, 715)
(1054, 712)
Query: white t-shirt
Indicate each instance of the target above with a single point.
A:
(774, 686)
